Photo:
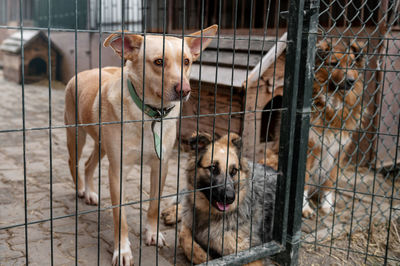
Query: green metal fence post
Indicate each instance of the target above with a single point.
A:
(293, 142)
(288, 119)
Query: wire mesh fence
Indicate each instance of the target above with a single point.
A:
(187, 120)
(351, 167)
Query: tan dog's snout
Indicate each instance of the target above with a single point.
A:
(343, 79)
(350, 81)
(183, 88)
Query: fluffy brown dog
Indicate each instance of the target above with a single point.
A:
(336, 111)
(162, 82)
(222, 210)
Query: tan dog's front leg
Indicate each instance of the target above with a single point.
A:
(122, 243)
(327, 189)
(153, 211)
(169, 214)
(243, 243)
(186, 240)
(307, 211)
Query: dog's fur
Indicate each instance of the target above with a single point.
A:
(250, 205)
(336, 112)
(87, 103)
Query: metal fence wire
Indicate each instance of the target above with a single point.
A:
(354, 147)
(309, 88)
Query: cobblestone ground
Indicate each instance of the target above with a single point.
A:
(12, 241)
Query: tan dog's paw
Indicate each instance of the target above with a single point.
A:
(169, 215)
(81, 193)
(151, 238)
(91, 198)
(326, 210)
(327, 203)
(125, 259)
(308, 212)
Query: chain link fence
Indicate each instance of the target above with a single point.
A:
(352, 160)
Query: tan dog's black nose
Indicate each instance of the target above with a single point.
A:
(230, 196)
(349, 83)
(184, 89)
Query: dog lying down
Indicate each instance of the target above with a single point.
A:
(250, 210)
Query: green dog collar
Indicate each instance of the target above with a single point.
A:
(153, 112)
(147, 109)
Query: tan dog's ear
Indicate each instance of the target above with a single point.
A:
(323, 49)
(236, 140)
(198, 44)
(130, 42)
(200, 140)
(324, 45)
(358, 49)
(244, 167)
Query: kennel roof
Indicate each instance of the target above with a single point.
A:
(233, 57)
(13, 43)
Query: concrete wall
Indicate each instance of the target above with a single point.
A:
(87, 53)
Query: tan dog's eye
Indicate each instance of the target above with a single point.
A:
(187, 61)
(233, 171)
(214, 169)
(332, 64)
(158, 62)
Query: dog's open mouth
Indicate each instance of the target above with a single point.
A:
(221, 206)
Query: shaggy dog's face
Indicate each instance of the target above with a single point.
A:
(217, 174)
(339, 64)
(338, 84)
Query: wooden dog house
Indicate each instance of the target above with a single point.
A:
(35, 44)
(223, 94)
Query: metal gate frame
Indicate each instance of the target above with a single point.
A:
(301, 45)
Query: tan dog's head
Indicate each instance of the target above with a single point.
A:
(339, 63)
(217, 172)
(338, 84)
(160, 54)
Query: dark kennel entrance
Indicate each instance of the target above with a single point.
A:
(270, 120)
(37, 70)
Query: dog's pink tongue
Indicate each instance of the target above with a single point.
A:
(222, 207)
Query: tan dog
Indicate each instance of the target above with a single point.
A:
(337, 100)
(87, 99)
(336, 113)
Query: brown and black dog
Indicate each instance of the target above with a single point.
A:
(223, 214)
(336, 112)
